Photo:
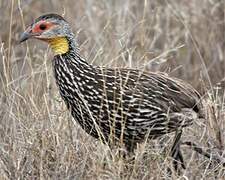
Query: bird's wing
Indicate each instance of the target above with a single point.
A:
(157, 88)
(165, 91)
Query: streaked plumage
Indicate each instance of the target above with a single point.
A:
(141, 103)
(119, 105)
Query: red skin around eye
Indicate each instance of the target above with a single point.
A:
(37, 29)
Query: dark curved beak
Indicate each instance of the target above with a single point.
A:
(25, 35)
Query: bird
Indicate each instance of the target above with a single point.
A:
(119, 106)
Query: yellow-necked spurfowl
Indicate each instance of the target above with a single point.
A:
(117, 105)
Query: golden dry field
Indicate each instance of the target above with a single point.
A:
(39, 140)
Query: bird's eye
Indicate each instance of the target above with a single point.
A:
(42, 26)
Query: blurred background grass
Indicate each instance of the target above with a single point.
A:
(184, 38)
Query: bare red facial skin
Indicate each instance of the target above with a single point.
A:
(41, 26)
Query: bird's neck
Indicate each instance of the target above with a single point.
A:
(62, 45)
(59, 45)
(67, 49)
(72, 72)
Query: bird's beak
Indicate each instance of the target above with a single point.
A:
(25, 35)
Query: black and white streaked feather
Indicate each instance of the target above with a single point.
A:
(123, 104)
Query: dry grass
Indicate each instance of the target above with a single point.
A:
(37, 137)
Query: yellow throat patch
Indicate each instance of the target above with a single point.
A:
(59, 45)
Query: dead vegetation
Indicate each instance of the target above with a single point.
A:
(38, 140)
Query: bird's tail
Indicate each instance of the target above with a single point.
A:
(182, 119)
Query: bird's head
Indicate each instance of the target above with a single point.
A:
(51, 28)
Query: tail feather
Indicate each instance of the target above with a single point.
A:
(182, 119)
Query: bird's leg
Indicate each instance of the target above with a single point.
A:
(175, 151)
(128, 153)
(130, 158)
(130, 148)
